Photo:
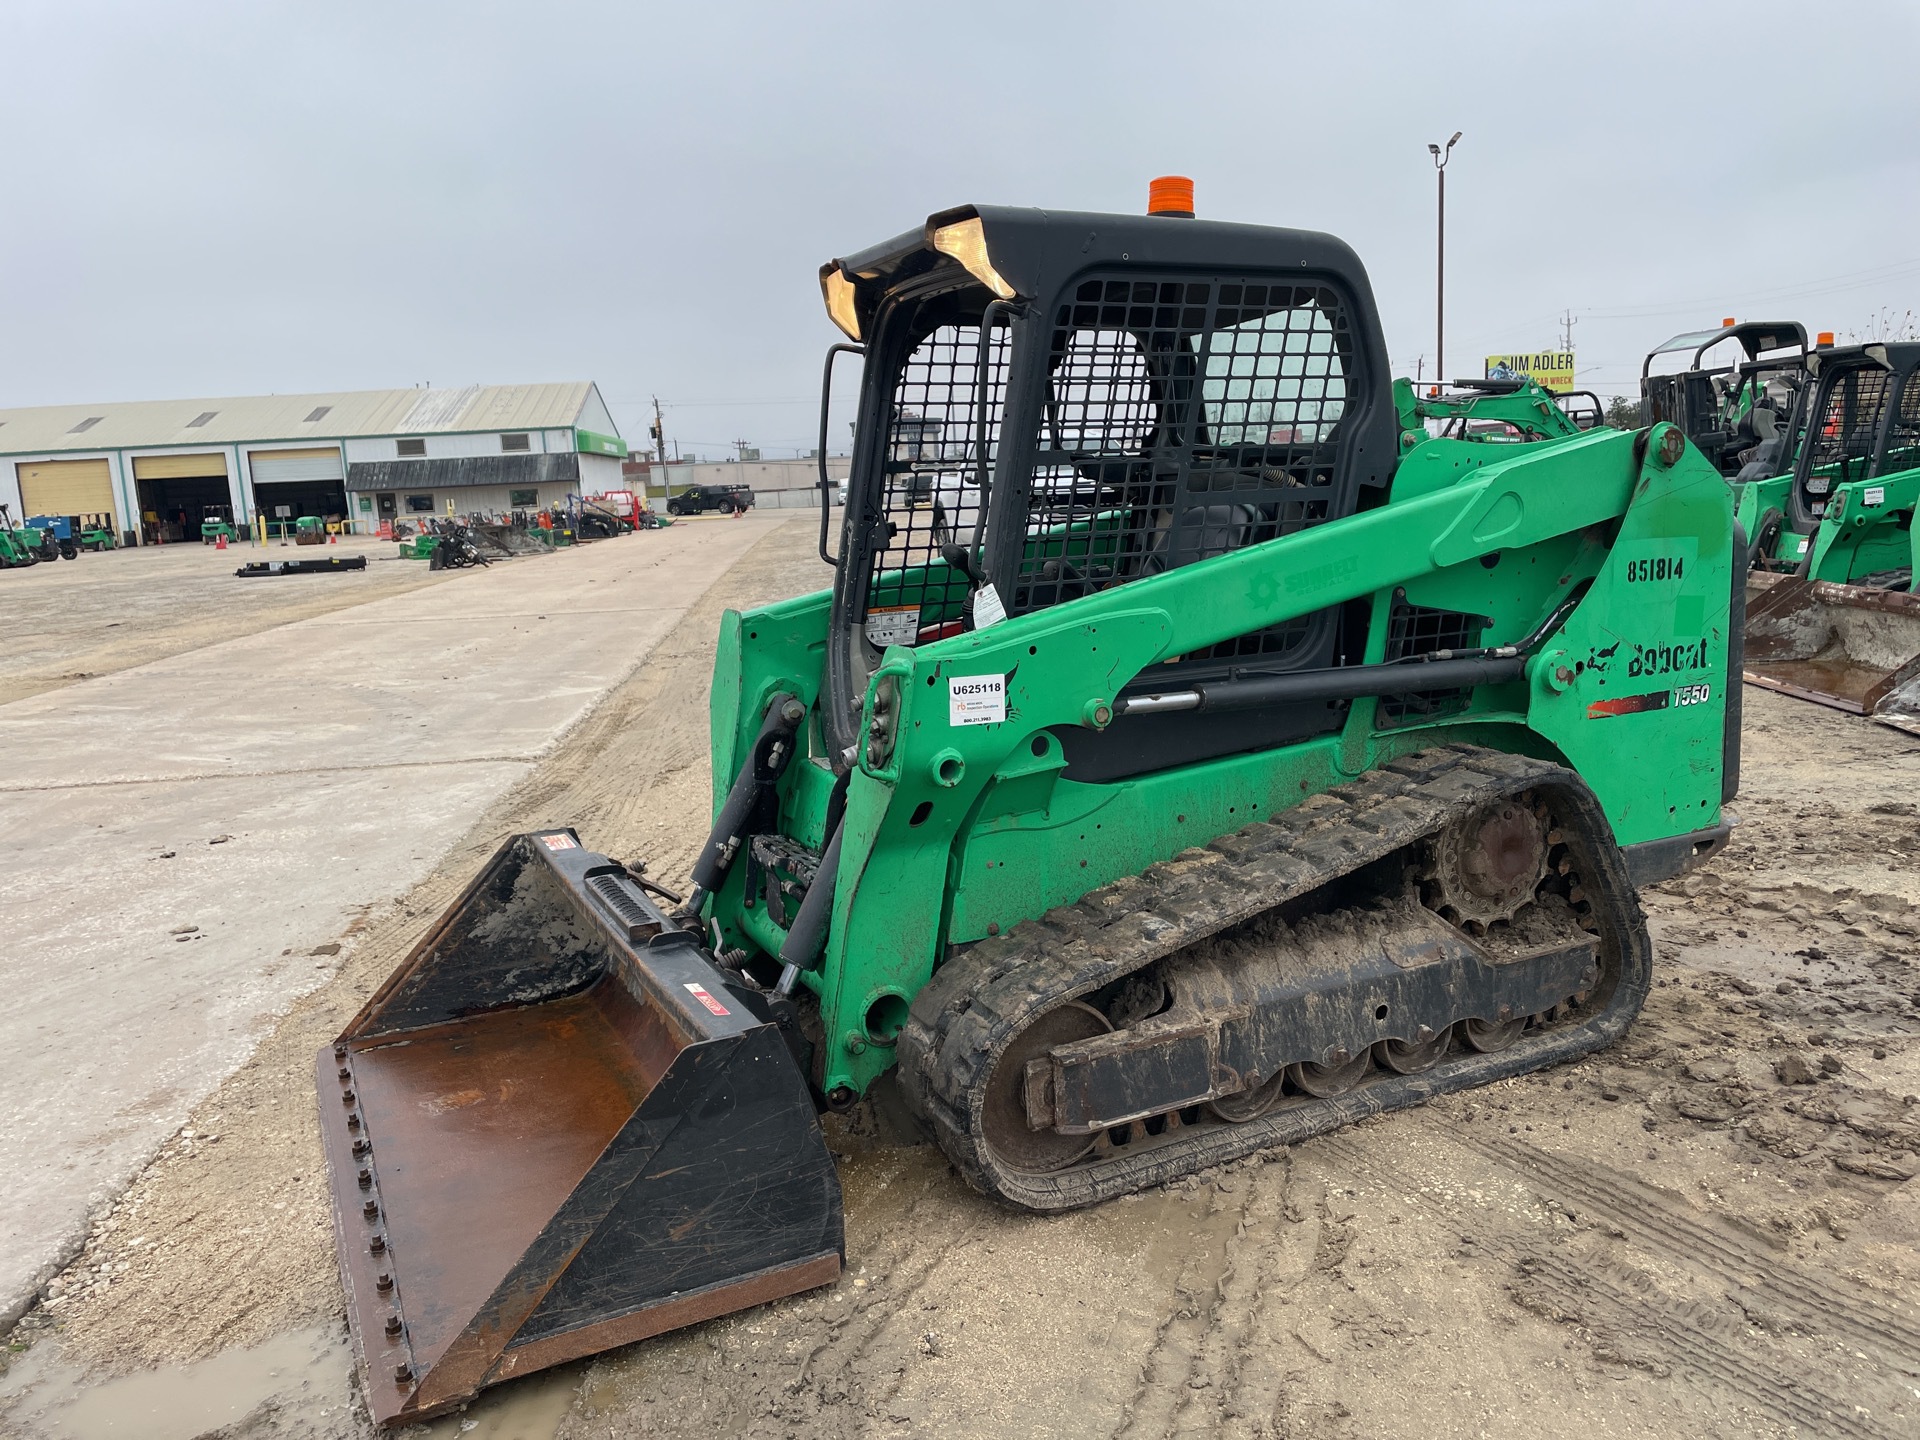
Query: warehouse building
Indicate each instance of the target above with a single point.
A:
(161, 467)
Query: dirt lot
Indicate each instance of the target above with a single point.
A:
(74, 619)
(1709, 1230)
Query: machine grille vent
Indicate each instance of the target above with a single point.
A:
(1419, 630)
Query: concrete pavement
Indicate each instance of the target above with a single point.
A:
(187, 843)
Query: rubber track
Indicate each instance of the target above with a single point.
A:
(975, 1005)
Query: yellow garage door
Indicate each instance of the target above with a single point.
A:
(178, 467)
(66, 487)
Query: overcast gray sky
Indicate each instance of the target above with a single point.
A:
(215, 199)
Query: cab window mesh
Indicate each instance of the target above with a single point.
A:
(1903, 439)
(1843, 435)
(931, 490)
(1187, 417)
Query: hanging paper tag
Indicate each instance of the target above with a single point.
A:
(899, 625)
(976, 699)
(987, 609)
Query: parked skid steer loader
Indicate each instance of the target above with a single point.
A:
(1840, 625)
(1232, 760)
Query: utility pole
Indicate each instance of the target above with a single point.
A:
(1567, 321)
(659, 433)
(1440, 158)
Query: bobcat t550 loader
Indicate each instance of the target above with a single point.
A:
(1246, 761)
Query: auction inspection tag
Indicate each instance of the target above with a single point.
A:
(1874, 495)
(976, 699)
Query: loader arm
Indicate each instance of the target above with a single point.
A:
(965, 830)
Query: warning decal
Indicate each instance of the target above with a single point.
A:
(558, 842)
(976, 699)
(700, 993)
(897, 625)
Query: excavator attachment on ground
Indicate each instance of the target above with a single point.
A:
(1206, 741)
(556, 1129)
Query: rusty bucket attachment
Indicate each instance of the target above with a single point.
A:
(557, 1129)
(1850, 647)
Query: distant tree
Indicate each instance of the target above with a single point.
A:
(1625, 414)
(1884, 326)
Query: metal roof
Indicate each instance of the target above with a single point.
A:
(250, 418)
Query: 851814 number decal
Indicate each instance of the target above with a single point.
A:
(1656, 567)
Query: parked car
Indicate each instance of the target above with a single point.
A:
(698, 499)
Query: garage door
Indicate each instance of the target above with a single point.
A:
(66, 487)
(272, 467)
(178, 467)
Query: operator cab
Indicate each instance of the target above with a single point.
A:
(1741, 413)
(1865, 423)
(1054, 404)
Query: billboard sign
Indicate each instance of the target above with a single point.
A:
(1551, 369)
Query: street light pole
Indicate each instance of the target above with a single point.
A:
(1440, 158)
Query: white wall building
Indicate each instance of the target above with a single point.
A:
(161, 467)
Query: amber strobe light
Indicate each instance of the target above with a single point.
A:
(1824, 340)
(1170, 195)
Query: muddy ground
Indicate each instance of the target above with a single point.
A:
(1710, 1229)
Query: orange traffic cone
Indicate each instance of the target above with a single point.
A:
(220, 542)
(333, 537)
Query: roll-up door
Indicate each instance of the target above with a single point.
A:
(66, 487)
(270, 467)
(178, 467)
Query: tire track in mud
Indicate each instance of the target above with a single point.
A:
(1211, 1369)
(910, 1256)
(1650, 1219)
(1190, 1328)
(1624, 1316)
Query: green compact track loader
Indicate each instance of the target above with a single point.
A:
(1834, 617)
(1226, 757)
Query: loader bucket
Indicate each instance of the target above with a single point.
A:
(556, 1129)
(1851, 647)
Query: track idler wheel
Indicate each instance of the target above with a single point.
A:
(1004, 1116)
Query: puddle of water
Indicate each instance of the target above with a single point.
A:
(529, 1409)
(305, 1372)
(305, 1375)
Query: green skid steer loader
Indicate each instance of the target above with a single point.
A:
(1837, 622)
(1224, 758)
